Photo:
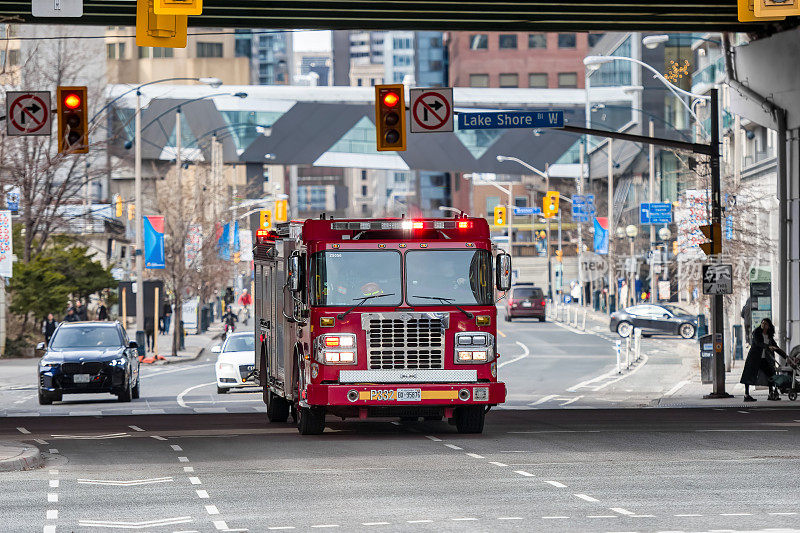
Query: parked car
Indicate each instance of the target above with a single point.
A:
(525, 300)
(236, 362)
(650, 319)
(88, 358)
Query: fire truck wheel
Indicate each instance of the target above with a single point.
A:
(311, 420)
(277, 408)
(469, 419)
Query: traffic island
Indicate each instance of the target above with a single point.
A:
(17, 456)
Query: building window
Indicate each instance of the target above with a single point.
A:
(478, 80)
(372, 81)
(507, 41)
(209, 49)
(537, 80)
(364, 209)
(567, 80)
(244, 48)
(401, 44)
(359, 82)
(156, 53)
(520, 201)
(363, 175)
(594, 38)
(479, 41)
(363, 190)
(491, 203)
(111, 51)
(402, 60)
(311, 197)
(509, 80)
(120, 50)
(566, 40)
(537, 40)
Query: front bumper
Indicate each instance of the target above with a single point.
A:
(235, 378)
(440, 395)
(525, 312)
(109, 379)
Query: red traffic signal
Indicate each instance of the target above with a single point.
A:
(73, 120)
(390, 121)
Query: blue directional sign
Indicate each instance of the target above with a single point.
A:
(583, 209)
(510, 119)
(655, 213)
(527, 210)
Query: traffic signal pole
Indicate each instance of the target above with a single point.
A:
(137, 212)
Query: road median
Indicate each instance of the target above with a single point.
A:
(17, 456)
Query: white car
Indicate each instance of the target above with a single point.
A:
(235, 363)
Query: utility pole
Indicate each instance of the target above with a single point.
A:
(549, 262)
(580, 224)
(651, 199)
(137, 207)
(612, 271)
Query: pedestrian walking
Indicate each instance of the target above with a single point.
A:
(102, 311)
(49, 327)
(149, 332)
(747, 316)
(167, 316)
(71, 316)
(80, 311)
(761, 359)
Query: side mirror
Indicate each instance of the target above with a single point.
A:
(216, 349)
(503, 272)
(667, 315)
(40, 347)
(133, 345)
(295, 273)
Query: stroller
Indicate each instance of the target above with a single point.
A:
(785, 378)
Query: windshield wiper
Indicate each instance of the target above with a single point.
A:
(341, 316)
(446, 300)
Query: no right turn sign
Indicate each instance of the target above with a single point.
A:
(431, 110)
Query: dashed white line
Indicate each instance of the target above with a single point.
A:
(277, 528)
(434, 439)
(620, 510)
(212, 509)
(687, 515)
(586, 498)
(54, 483)
(642, 516)
(52, 497)
(453, 447)
(601, 516)
(419, 521)
(556, 484)
(54, 451)
(220, 525)
(495, 463)
(195, 481)
(52, 514)
(464, 519)
(202, 494)
(476, 456)
(53, 472)
(183, 459)
(374, 523)
(40, 441)
(188, 469)
(49, 529)
(176, 448)
(782, 514)
(744, 412)
(509, 518)
(553, 517)
(23, 430)
(523, 473)
(736, 514)
(157, 437)
(136, 428)
(326, 525)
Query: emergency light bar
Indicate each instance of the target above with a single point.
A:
(401, 225)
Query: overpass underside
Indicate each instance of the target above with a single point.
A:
(518, 15)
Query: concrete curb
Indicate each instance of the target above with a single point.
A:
(18, 456)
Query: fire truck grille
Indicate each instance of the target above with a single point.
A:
(412, 344)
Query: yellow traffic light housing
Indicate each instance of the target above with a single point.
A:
(281, 208)
(153, 29)
(131, 211)
(118, 206)
(776, 8)
(746, 9)
(712, 232)
(265, 219)
(559, 255)
(390, 118)
(73, 120)
(500, 216)
(178, 7)
(550, 204)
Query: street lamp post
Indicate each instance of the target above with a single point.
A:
(632, 231)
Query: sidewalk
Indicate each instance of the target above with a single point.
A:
(194, 345)
(16, 456)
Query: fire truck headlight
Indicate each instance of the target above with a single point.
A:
(464, 356)
(347, 357)
(474, 347)
(336, 349)
(480, 356)
(331, 357)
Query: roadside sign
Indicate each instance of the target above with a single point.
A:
(57, 8)
(510, 119)
(28, 113)
(717, 279)
(431, 110)
(527, 210)
(655, 213)
(583, 208)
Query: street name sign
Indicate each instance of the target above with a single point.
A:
(527, 210)
(655, 213)
(583, 209)
(431, 110)
(717, 279)
(510, 119)
(57, 8)
(28, 113)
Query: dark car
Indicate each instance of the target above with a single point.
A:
(88, 357)
(525, 300)
(654, 319)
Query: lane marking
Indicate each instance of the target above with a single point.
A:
(602, 516)
(642, 516)
(176, 448)
(195, 480)
(275, 528)
(782, 514)
(91, 437)
(526, 353)
(611, 373)
(575, 399)
(212, 509)
(553, 517)
(220, 525)
(53, 472)
(157, 437)
(678, 386)
(129, 483)
(54, 483)
(744, 412)
(179, 397)
(52, 497)
(453, 447)
(49, 529)
(741, 430)
(40, 441)
(202, 494)
(501, 334)
(326, 525)
(188, 469)
(434, 439)
(556, 484)
(509, 518)
(54, 451)
(687, 515)
(23, 431)
(523, 473)
(374, 523)
(495, 463)
(52, 514)
(136, 428)
(622, 511)
(476, 456)
(183, 459)
(552, 431)
(543, 399)
(419, 521)
(465, 519)
(586, 498)
(736, 514)
(164, 372)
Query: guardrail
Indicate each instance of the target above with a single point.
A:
(570, 315)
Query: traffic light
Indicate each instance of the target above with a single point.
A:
(559, 255)
(280, 210)
(712, 232)
(118, 206)
(73, 122)
(500, 216)
(178, 7)
(131, 211)
(265, 219)
(390, 118)
(550, 204)
(153, 29)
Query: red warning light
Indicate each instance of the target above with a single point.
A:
(391, 99)
(463, 224)
(72, 101)
(417, 225)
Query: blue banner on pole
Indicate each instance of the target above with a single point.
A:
(655, 213)
(583, 208)
(154, 242)
(223, 243)
(510, 119)
(601, 235)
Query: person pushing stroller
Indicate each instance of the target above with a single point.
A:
(761, 359)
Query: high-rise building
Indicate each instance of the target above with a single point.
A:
(270, 54)
(518, 59)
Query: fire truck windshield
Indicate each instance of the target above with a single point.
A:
(462, 277)
(339, 277)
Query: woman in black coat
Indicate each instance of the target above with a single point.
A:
(760, 357)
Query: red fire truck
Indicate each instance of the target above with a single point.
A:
(378, 318)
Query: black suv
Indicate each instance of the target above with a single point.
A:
(88, 357)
